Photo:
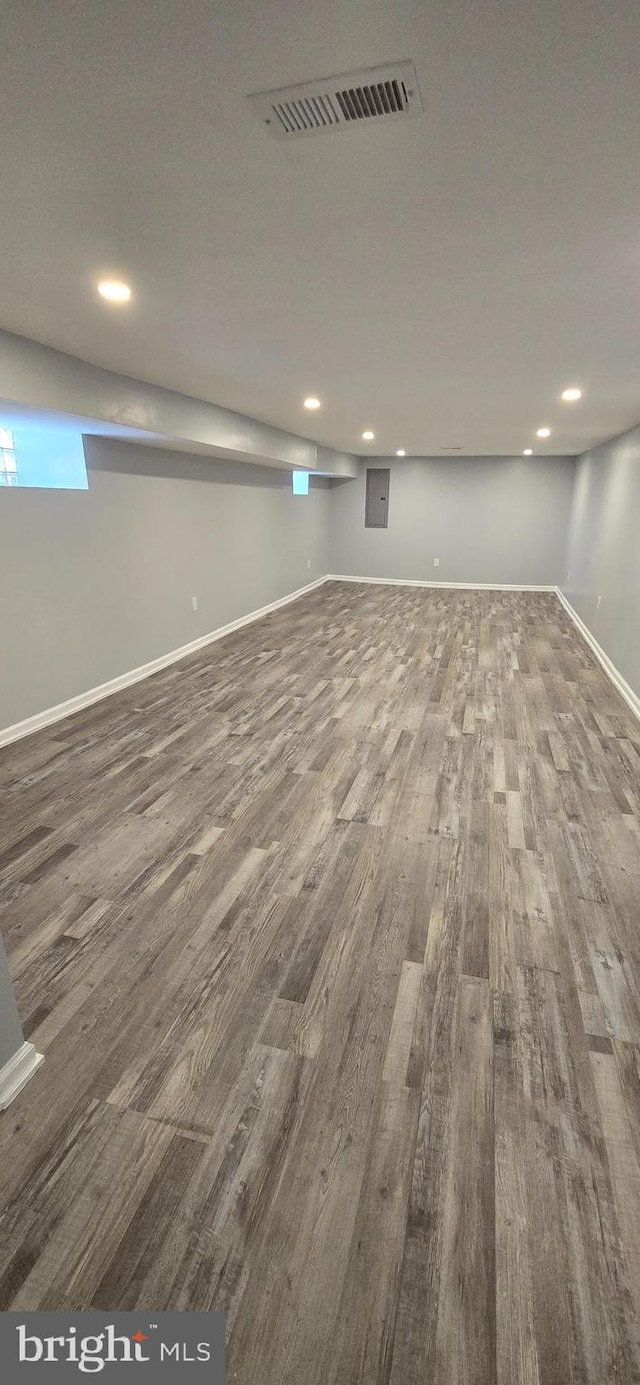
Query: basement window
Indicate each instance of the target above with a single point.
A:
(8, 463)
(300, 482)
(52, 458)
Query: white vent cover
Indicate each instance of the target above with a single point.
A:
(353, 98)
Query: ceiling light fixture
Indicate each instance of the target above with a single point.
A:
(571, 394)
(114, 291)
(543, 433)
(401, 452)
(312, 402)
(528, 452)
(368, 436)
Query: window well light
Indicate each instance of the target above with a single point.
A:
(543, 433)
(52, 458)
(528, 452)
(570, 395)
(311, 402)
(300, 482)
(368, 436)
(114, 291)
(401, 452)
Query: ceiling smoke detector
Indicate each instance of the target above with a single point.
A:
(352, 98)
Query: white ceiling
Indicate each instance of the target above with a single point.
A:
(439, 280)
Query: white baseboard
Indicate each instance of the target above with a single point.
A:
(456, 586)
(16, 1073)
(624, 688)
(75, 704)
(135, 675)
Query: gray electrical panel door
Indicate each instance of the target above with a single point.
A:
(376, 507)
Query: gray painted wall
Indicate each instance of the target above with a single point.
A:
(603, 553)
(35, 375)
(488, 519)
(10, 1030)
(101, 581)
(97, 582)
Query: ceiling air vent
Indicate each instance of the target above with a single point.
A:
(353, 98)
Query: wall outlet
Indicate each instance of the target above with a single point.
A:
(309, 563)
(436, 562)
(194, 603)
(598, 603)
(569, 575)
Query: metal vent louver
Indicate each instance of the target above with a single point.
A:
(380, 93)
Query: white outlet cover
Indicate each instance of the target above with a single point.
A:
(436, 562)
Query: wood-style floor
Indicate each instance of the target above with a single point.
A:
(331, 937)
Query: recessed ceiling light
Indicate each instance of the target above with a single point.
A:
(114, 291)
(528, 452)
(543, 433)
(312, 402)
(368, 436)
(401, 452)
(571, 394)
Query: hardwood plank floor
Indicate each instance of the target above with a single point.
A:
(331, 937)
